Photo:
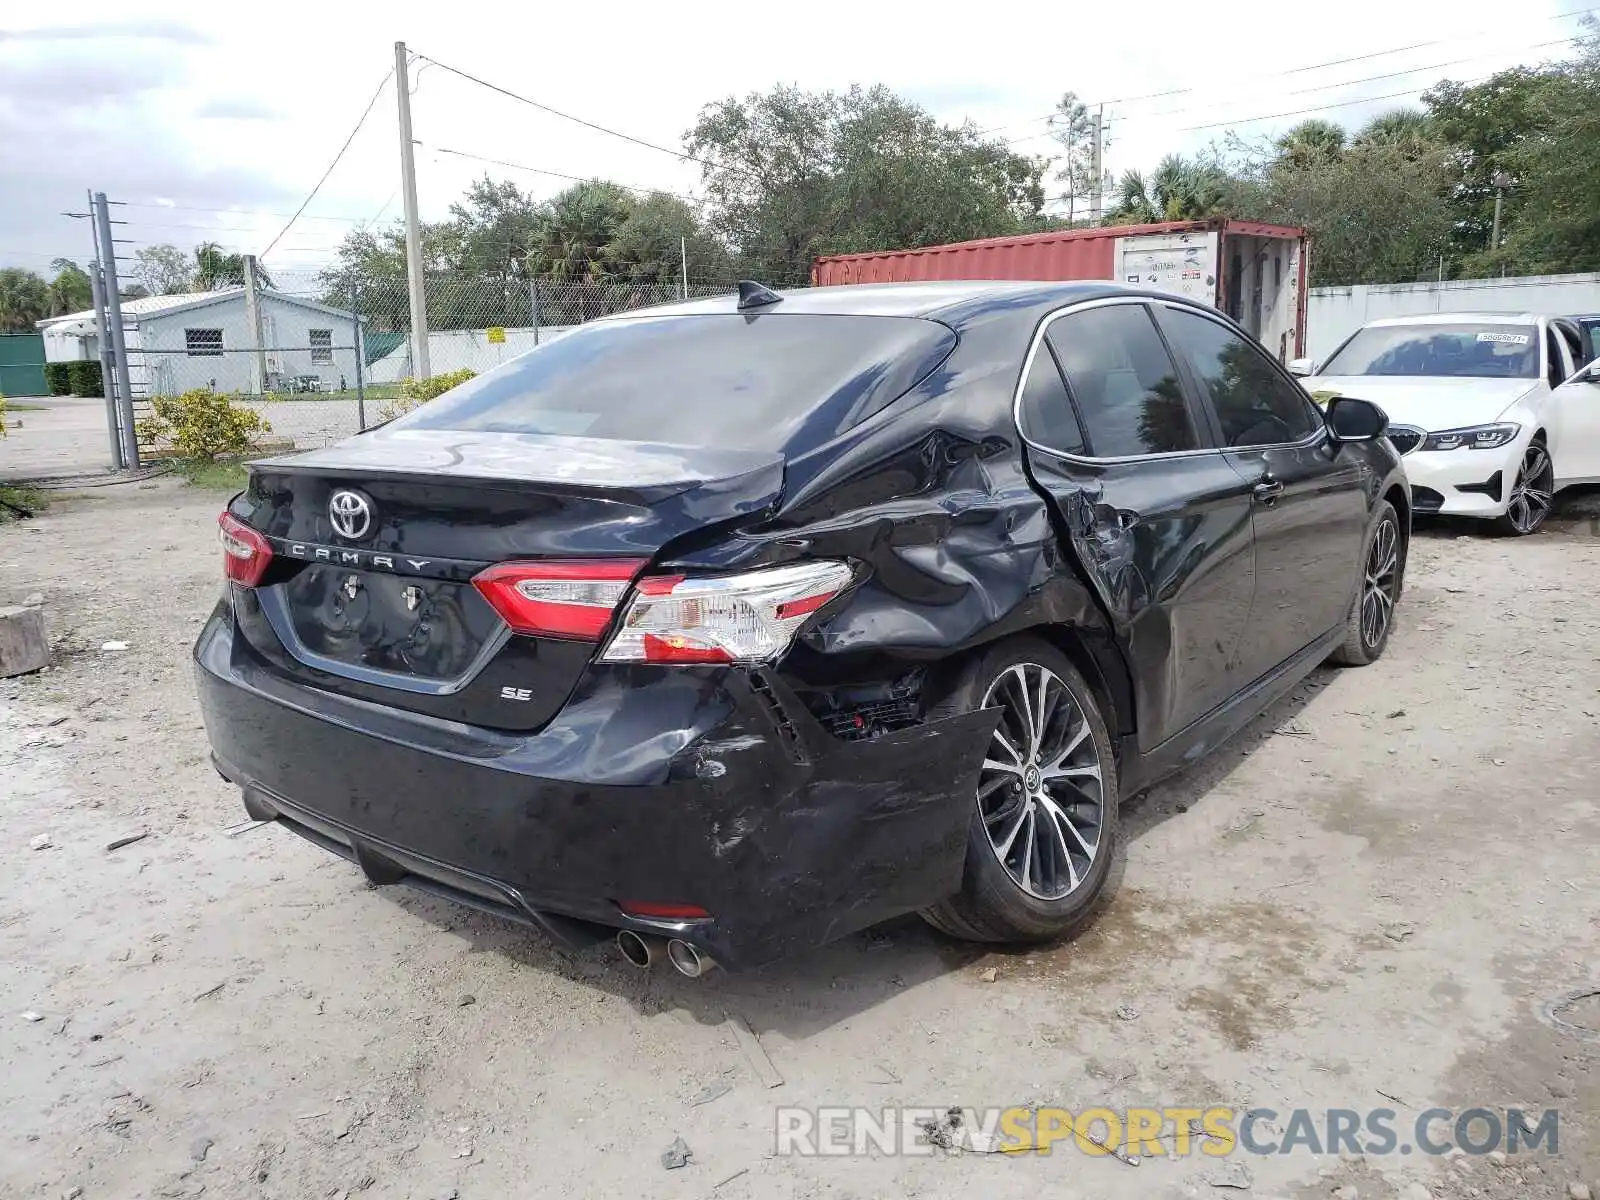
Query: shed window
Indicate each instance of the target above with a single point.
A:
(322, 345)
(203, 343)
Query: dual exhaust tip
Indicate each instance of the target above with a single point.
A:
(644, 950)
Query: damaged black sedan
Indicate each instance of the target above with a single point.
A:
(741, 624)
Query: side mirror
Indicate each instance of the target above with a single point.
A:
(1302, 367)
(1353, 420)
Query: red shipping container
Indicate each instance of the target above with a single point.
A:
(1255, 273)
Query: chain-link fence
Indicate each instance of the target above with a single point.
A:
(321, 359)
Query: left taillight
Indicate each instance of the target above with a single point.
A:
(558, 599)
(245, 553)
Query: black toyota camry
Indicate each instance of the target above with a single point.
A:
(730, 627)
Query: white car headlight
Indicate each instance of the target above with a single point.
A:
(1473, 437)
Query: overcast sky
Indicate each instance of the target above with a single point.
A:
(215, 126)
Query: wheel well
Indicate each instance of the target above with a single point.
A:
(1113, 690)
(1396, 496)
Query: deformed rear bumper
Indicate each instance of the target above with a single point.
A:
(711, 787)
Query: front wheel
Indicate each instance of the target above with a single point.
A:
(1371, 617)
(1044, 816)
(1531, 494)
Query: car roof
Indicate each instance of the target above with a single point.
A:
(1452, 318)
(949, 301)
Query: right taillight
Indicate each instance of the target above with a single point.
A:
(748, 617)
(245, 553)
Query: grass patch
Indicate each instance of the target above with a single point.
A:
(29, 499)
(225, 475)
(13, 406)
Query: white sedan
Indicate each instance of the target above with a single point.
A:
(1494, 412)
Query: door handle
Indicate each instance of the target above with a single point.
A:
(1268, 490)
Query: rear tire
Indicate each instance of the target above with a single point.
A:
(1044, 818)
(1371, 618)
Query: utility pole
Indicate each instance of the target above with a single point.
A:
(252, 316)
(107, 370)
(108, 379)
(119, 345)
(1097, 189)
(408, 188)
(1501, 182)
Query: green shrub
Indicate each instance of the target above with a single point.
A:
(84, 379)
(201, 425)
(58, 378)
(415, 392)
(2, 414)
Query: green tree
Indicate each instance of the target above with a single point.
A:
(1179, 189)
(163, 268)
(70, 290)
(660, 232)
(24, 300)
(1552, 218)
(1073, 130)
(215, 268)
(792, 174)
(1311, 142)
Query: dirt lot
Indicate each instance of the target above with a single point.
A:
(1365, 902)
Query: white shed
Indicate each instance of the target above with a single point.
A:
(203, 339)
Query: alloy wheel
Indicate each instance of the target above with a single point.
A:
(1040, 791)
(1530, 495)
(1378, 592)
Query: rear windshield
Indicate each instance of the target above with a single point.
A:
(767, 382)
(1476, 351)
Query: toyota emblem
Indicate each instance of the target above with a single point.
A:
(350, 513)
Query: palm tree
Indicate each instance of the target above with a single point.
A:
(1312, 141)
(215, 268)
(1179, 189)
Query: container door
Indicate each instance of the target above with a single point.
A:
(1185, 263)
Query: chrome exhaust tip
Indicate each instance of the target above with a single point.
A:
(635, 948)
(686, 960)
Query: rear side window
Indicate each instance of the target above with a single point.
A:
(1255, 405)
(1047, 415)
(1123, 382)
(768, 382)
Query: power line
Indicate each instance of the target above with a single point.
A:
(566, 116)
(365, 113)
(1337, 62)
(560, 175)
(236, 212)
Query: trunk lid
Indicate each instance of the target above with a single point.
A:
(375, 542)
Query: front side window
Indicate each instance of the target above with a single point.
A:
(203, 343)
(322, 345)
(1255, 405)
(1123, 382)
(1466, 349)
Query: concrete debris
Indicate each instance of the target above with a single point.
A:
(1579, 1191)
(711, 1092)
(466, 999)
(989, 974)
(42, 842)
(199, 1148)
(1497, 1158)
(1126, 1012)
(1399, 931)
(113, 647)
(676, 1155)
(1232, 1175)
(30, 1015)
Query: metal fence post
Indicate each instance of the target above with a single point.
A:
(533, 299)
(361, 357)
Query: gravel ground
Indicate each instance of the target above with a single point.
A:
(1367, 900)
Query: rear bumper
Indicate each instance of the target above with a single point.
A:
(703, 786)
